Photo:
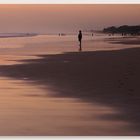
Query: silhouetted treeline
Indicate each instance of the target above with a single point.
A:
(124, 30)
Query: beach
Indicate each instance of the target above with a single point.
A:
(49, 88)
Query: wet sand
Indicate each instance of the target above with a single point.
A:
(75, 93)
(105, 78)
(23, 114)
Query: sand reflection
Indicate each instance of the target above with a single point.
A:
(28, 108)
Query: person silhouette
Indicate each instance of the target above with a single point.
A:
(80, 39)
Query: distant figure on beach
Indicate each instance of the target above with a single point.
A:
(80, 39)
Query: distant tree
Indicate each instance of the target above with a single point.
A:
(111, 30)
(125, 29)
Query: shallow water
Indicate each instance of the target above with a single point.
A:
(21, 48)
(29, 109)
(53, 44)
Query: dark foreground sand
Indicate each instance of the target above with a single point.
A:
(110, 78)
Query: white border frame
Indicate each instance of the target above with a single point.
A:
(69, 1)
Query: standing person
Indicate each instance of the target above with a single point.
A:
(80, 39)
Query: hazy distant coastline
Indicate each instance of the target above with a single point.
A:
(7, 35)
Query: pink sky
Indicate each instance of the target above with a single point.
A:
(65, 18)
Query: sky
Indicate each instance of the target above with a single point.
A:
(65, 18)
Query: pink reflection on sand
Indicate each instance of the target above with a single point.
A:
(28, 109)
